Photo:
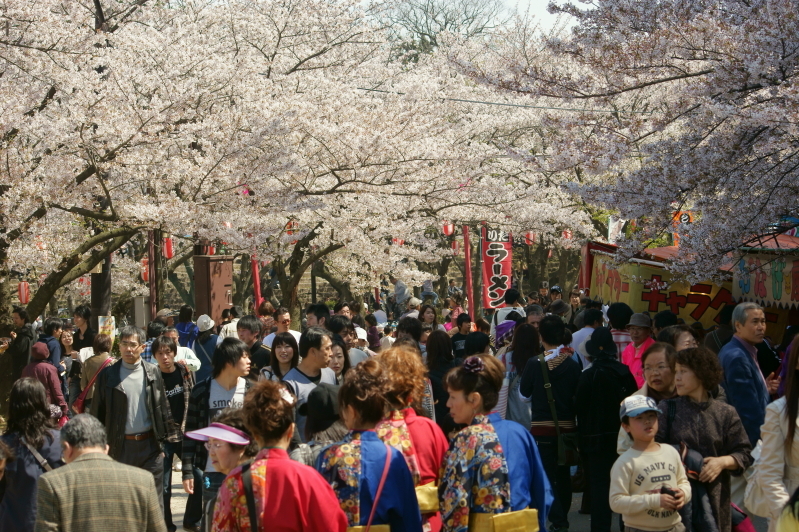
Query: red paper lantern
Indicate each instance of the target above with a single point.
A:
(449, 228)
(145, 270)
(567, 234)
(398, 241)
(455, 249)
(212, 250)
(168, 248)
(529, 238)
(24, 292)
(549, 254)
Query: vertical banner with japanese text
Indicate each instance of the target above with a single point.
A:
(497, 254)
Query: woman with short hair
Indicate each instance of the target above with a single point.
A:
(360, 466)
(283, 491)
(102, 352)
(492, 466)
(29, 428)
(339, 358)
(707, 427)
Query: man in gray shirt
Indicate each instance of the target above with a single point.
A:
(129, 399)
(315, 350)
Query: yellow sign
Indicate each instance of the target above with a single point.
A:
(649, 289)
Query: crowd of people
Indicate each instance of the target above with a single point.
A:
(438, 423)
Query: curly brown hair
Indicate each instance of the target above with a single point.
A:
(267, 414)
(405, 375)
(703, 363)
(363, 389)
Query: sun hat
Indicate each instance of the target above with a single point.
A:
(635, 405)
(222, 432)
(205, 322)
(601, 343)
(361, 333)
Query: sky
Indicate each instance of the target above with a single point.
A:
(538, 8)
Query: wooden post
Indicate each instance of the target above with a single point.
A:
(467, 250)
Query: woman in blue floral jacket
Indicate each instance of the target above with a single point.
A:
(492, 466)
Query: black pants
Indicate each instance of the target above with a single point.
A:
(600, 457)
(147, 455)
(560, 480)
(194, 504)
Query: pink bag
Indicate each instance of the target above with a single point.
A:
(741, 521)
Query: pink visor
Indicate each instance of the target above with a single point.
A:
(220, 431)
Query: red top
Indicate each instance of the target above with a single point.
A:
(294, 498)
(431, 445)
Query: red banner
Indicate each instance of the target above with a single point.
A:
(497, 255)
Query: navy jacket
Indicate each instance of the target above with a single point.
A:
(745, 387)
(18, 508)
(54, 347)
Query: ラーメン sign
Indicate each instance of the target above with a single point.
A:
(497, 254)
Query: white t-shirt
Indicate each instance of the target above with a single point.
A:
(271, 337)
(220, 399)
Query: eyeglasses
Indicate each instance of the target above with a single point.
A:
(132, 345)
(213, 446)
(285, 322)
(659, 370)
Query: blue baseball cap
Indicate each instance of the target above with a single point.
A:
(635, 405)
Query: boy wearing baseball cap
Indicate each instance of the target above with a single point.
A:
(648, 484)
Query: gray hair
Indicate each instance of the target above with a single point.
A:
(534, 310)
(84, 430)
(740, 312)
(132, 330)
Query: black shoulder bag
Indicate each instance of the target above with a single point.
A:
(246, 480)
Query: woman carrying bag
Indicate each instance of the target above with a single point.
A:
(493, 478)
(360, 466)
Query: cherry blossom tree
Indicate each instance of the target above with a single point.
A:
(674, 106)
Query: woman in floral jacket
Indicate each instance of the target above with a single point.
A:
(492, 466)
(360, 464)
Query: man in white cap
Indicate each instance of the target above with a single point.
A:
(413, 308)
(204, 346)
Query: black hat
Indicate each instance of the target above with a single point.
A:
(556, 288)
(601, 344)
(321, 408)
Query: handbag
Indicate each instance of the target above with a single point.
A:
(376, 528)
(427, 496)
(78, 405)
(567, 442)
(520, 521)
(754, 497)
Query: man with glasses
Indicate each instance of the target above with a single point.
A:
(129, 399)
(283, 321)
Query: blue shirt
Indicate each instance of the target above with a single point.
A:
(529, 486)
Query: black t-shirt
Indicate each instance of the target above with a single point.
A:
(173, 386)
(260, 355)
(459, 345)
(314, 380)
